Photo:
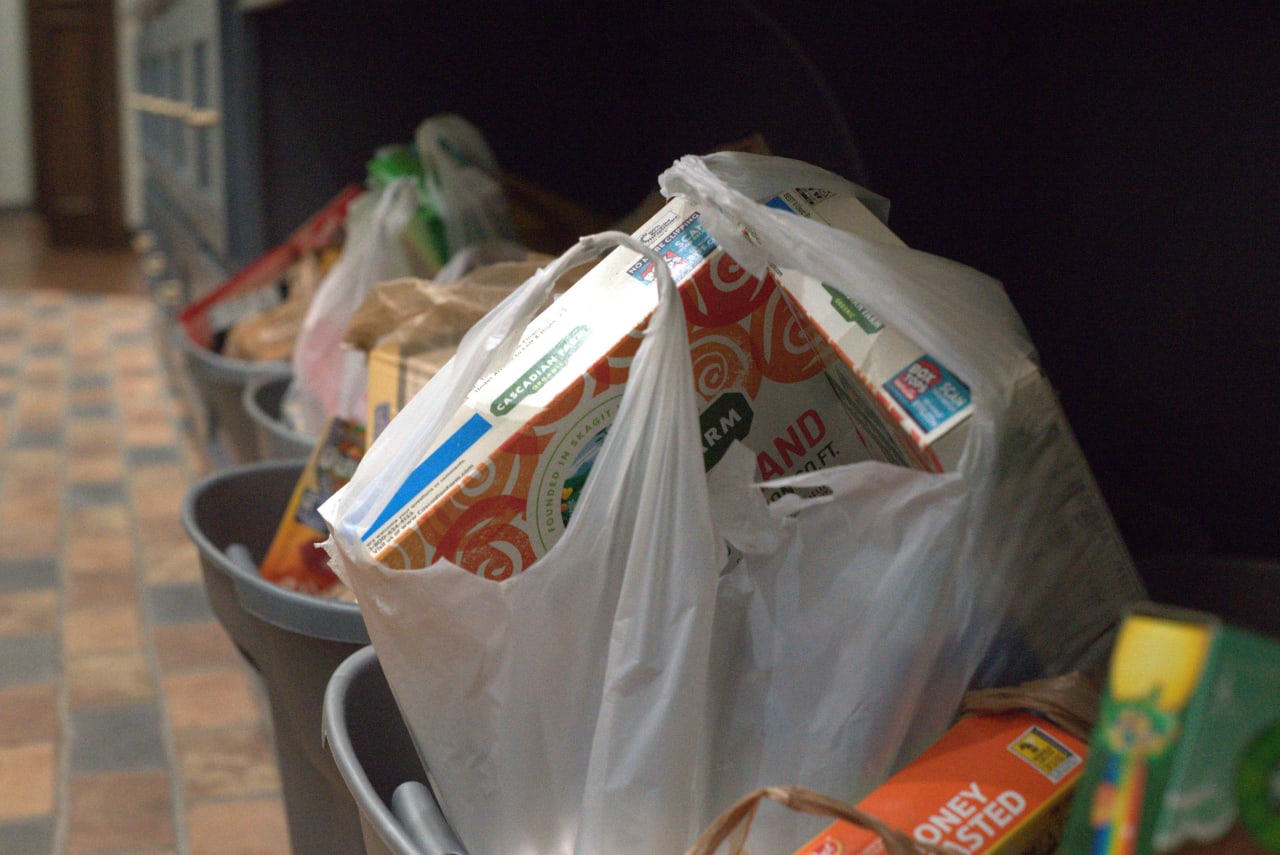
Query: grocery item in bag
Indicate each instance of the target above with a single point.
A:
(1017, 537)
(329, 380)
(1187, 747)
(409, 328)
(294, 559)
(912, 409)
(498, 489)
(1059, 552)
(460, 184)
(510, 750)
(992, 785)
(256, 288)
(863, 600)
(270, 335)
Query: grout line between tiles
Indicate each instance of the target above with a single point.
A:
(177, 782)
(66, 735)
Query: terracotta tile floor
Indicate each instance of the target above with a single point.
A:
(129, 724)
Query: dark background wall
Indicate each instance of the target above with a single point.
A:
(1116, 165)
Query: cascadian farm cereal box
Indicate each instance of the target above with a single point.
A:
(498, 489)
(912, 410)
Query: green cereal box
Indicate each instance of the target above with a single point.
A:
(1186, 753)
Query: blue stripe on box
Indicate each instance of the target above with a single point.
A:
(430, 468)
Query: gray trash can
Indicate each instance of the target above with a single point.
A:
(295, 642)
(375, 754)
(276, 440)
(220, 383)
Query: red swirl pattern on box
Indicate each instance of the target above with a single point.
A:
(722, 292)
(722, 361)
(781, 346)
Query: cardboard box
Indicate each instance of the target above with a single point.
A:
(497, 491)
(912, 409)
(396, 373)
(992, 785)
(409, 328)
(1187, 747)
(294, 560)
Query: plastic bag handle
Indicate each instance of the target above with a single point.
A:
(1069, 700)
(505, 337)
(957, 314)
(735, 823)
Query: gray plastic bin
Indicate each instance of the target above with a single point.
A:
(276, 440)
(220, 383)
(294, 641)
(375, 754)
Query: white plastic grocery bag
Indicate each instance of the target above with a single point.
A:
(517, 692)
(461, 182)
(621, 692)
(329, 379)
(873, 596)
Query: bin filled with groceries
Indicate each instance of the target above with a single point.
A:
(736, 523)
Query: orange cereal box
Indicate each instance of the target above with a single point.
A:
(992, 785)
(295, 560)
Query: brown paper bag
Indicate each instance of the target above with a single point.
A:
(270, 335)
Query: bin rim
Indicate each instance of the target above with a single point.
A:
(336, 737)
(307, 614)
(229, 368)
(263, 418)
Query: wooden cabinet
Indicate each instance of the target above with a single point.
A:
(75, 121)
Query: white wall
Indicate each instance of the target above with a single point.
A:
(130, 150)
(17, 169)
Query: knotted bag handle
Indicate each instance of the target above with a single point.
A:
(734, 824)
(1069, 701)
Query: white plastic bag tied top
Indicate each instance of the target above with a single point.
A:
(461, 182)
